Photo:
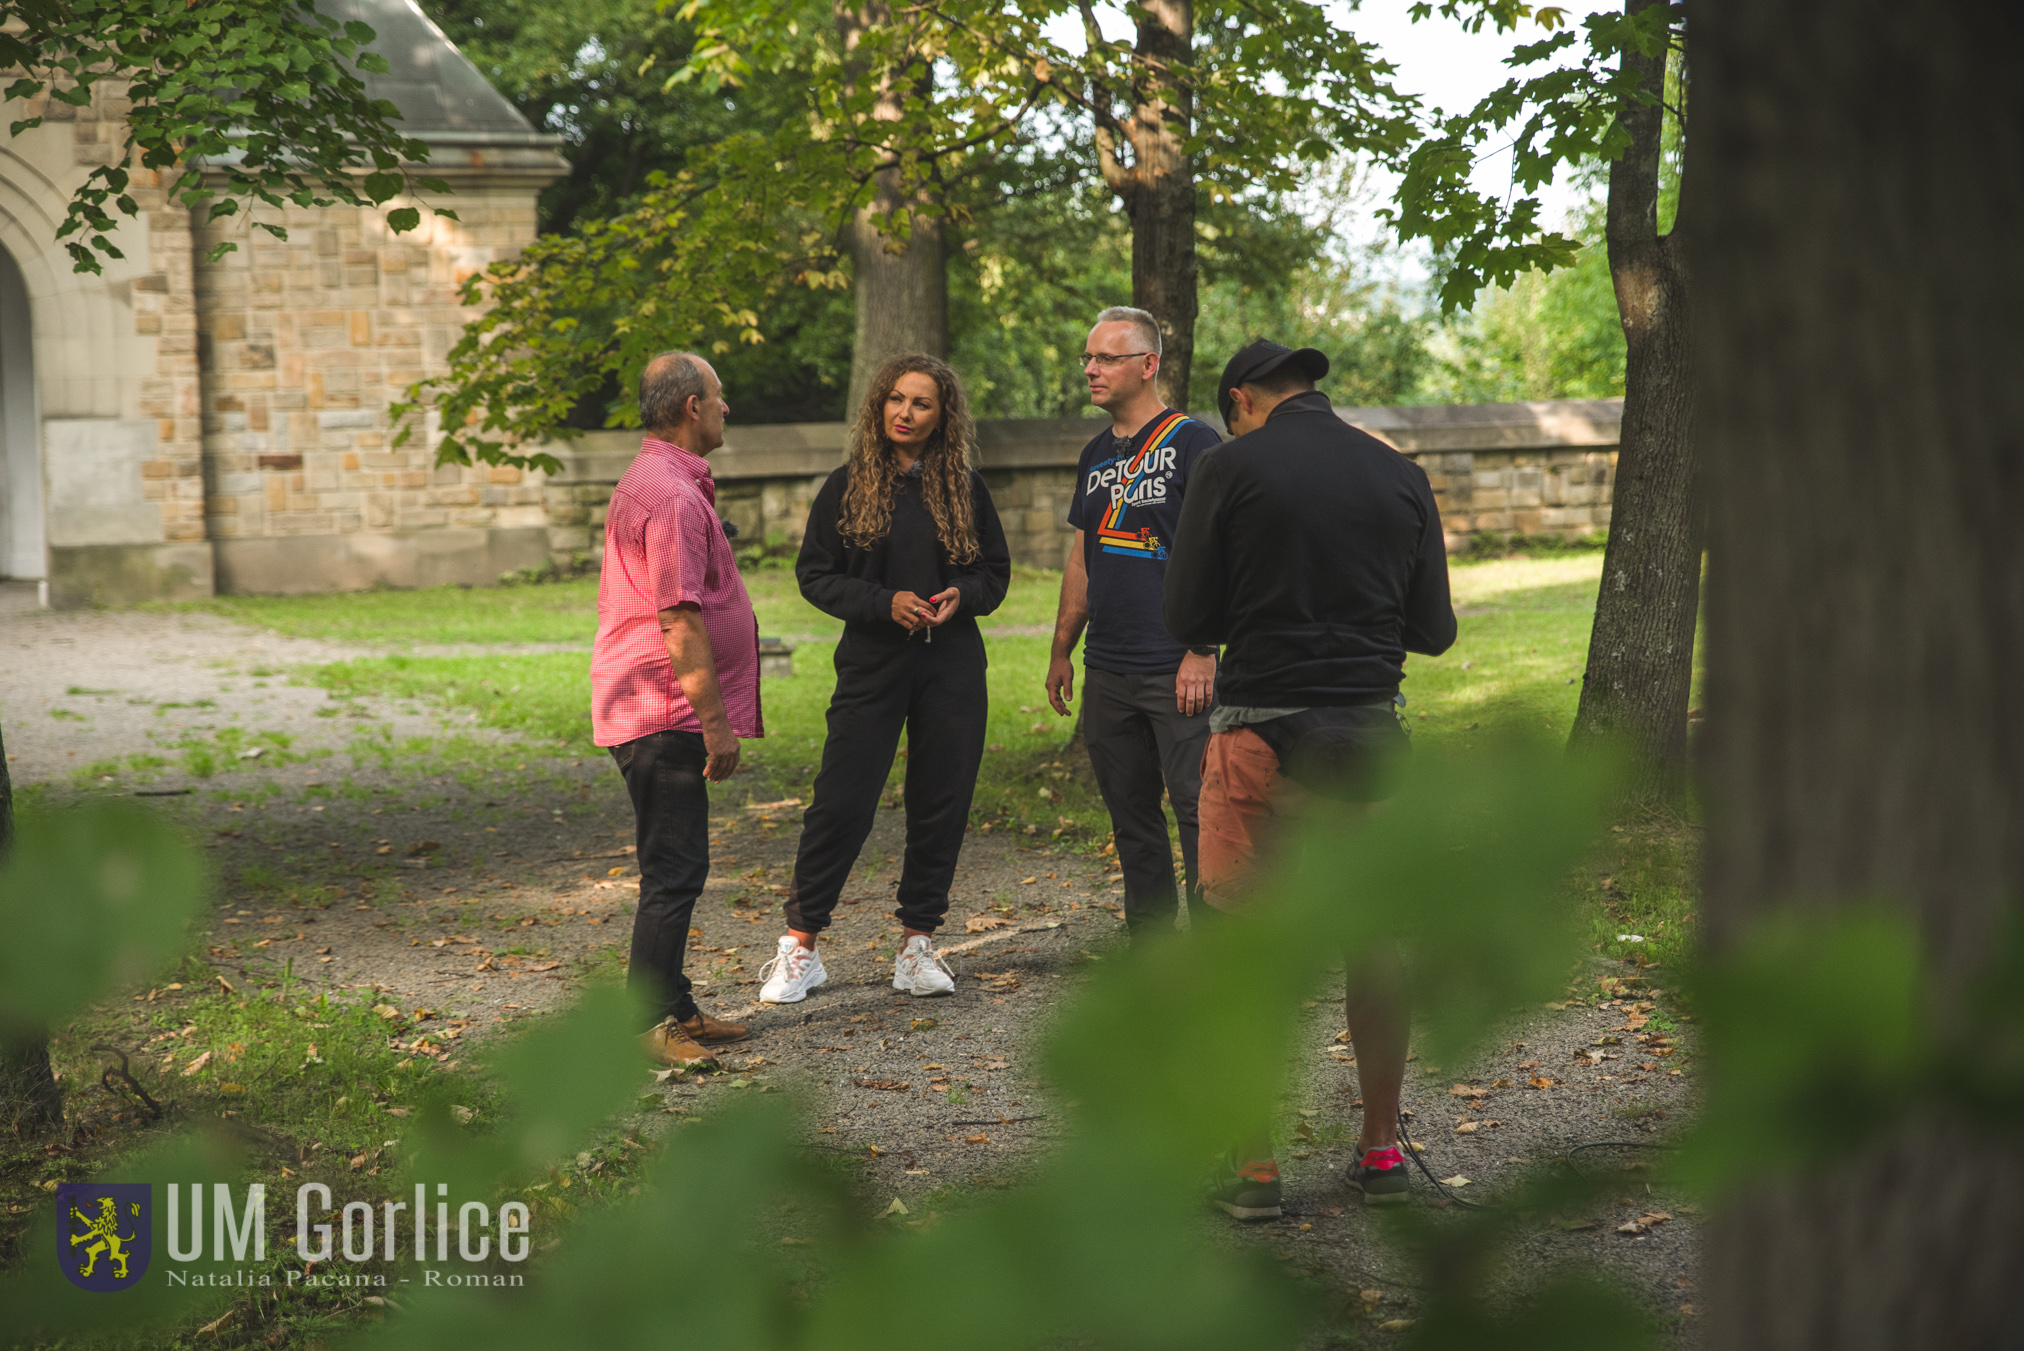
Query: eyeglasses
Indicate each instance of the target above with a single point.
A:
(1109, 360)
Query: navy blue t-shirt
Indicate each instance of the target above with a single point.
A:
(1127, 503)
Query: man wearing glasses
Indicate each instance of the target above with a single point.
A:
(1146, 697)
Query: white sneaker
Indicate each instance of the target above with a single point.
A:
(920, 970)
(795, 971)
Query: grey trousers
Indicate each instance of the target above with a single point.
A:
(1140, 743)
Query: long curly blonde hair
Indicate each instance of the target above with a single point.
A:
(945, 463)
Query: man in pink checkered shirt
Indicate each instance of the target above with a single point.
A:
(674, 681)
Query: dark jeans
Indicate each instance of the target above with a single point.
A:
(671, 809)
(936, 692)
(1139, 742)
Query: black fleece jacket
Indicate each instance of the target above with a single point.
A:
(1313, 551)
(857, 585)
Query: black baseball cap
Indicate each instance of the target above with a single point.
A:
(1261, 359)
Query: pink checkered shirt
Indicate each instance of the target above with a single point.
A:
(663, 547)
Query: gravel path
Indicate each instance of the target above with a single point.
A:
(494, 900)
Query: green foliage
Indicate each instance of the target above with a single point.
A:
(1808, 1010)
(1548, 335)
(736, 247)
(1072, 1253)
(1566, 116)
(91, 899)
(261, 95)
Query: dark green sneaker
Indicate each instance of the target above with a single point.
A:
(1380, 1174)
(1248, 1191)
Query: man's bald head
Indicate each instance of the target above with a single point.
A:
(681, 401)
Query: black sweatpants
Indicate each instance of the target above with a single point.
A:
(1140, 742)
(936, 692)
(671, 811)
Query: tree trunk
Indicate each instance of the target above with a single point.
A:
(901, 291)
(30, 1101)
(1157, 188)
(1641, 651)
(899, 285)
(1859, 175)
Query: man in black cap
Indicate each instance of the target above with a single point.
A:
(1313, 552)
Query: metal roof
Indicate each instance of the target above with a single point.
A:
(442, 97)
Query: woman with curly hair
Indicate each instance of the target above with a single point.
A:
(904, 546)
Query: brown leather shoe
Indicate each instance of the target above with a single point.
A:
(703, 1027)
(667, 1044)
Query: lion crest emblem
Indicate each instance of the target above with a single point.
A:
(105, 1236)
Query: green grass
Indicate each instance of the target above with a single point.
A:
(1524, 627)
(555, 612)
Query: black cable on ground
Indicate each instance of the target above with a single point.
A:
(1567, 1158)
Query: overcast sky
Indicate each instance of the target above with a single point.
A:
(1451, 68)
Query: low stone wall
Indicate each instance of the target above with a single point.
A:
(1536, 469)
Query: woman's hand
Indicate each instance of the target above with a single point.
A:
(910, 612)
(945, 603)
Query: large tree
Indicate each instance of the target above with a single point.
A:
(899, 273)
(1858, 176)
(1613, 105)
(1206, 101)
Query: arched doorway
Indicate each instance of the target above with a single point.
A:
(21, 537)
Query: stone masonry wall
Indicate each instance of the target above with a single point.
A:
(304, 344)
(1501, 469)
(1547, 492)
(164, 305)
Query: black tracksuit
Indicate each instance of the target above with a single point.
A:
(1313, 552)
(887, 679)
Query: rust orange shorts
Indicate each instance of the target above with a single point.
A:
(1242, 791)
(1244, 800)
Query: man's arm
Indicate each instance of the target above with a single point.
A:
(696, 671)
(1069, 621)
(1429, 614)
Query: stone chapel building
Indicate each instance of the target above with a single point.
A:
(172, 429)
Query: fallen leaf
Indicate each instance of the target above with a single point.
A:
(1371, 1296)
(1538, 1082)
(196, 1064)
(1468, 1128)
(1397, 1325)
(1028, 881)
(898, 1207)
(1644, 1222)
(1456, 1181)
(977, 924)
(423, 847)
(886, 1085)
(543, 966)
(462, 1113)
(980, 1138)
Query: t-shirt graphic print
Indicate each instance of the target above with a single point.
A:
(1127, 503)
